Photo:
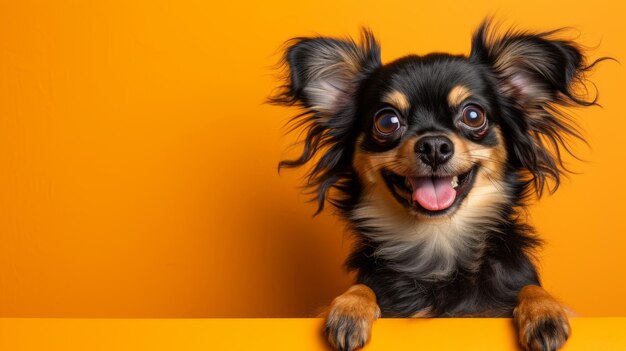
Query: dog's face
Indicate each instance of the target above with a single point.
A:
(429, 136)
(437, 136)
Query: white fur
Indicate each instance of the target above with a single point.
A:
(433, 249)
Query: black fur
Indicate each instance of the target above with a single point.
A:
(332, 138)
(519, 78)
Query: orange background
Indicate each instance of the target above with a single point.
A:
(138, 161)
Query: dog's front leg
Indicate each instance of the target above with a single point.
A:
(541, 320)
(350, 318)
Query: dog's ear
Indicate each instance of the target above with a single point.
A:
(324, 73)
(323, 76)
(535, 74)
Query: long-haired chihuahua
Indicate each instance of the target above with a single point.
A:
(431, 160)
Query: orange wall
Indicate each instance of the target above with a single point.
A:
(138, 161)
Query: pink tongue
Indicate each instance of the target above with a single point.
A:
(434, 194)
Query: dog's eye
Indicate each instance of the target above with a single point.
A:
(474, 116)
(387, 121)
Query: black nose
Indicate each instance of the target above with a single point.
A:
(434, 150)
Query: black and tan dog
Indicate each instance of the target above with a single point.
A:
(431, 160)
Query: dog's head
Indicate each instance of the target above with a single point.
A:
(434, 135)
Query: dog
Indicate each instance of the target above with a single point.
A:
(431, 160)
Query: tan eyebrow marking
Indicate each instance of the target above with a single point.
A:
(399, 100)
(457, 94)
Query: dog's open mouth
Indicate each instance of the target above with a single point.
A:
(431, 195)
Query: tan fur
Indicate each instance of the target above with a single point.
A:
(351, 316)
(535, 307)
(423, 313)
(488, 191)
(457, 95)
(398, 100)
(442, 237)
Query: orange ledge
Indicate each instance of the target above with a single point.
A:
(603, 334)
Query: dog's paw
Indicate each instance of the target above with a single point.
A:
(547, 334)
(349, 321)
(542, 324)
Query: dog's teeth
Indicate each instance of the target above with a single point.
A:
(454, 182)
(407, 183)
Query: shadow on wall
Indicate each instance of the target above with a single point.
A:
(287, 262)
(295, 261)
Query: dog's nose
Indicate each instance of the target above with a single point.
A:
(434, 150)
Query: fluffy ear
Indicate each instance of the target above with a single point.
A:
(324, 73)
(535, 73)
(323, 78)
